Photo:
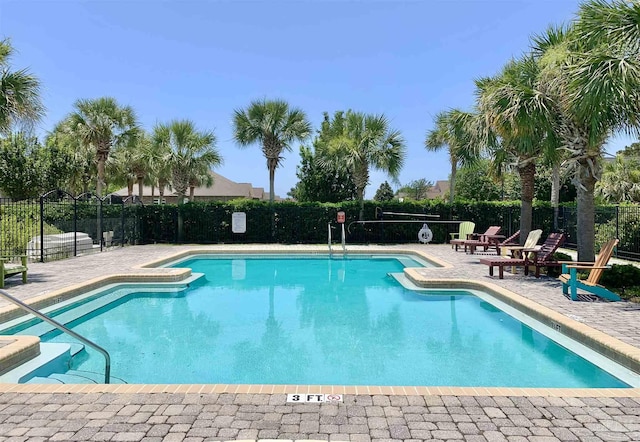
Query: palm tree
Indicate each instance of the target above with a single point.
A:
(592, 71)
(273, 124)
(101, 124)
(620, 180)
(19, 93)
(365, 142)
(452, 130)
(188, 151)
(517, 111)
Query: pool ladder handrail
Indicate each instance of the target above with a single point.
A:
(343, 240)
(62, 328)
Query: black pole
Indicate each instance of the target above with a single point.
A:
(101, 238)
(41, 228)
(122, 226)
(75, 227)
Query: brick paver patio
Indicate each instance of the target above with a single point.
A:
(607, 416)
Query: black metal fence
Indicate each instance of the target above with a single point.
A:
(60, 225)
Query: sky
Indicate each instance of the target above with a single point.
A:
(201, 60)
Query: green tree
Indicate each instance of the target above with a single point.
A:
(274, 125)
(475, 182)
(19, 94)
(101, 124)
(384, 193)
(365, 142)
(620, 180)
(454, 129)
(331, 182)
(592, 72)
(416, 189)
(188, 152)
(517, 112)
(28, 169)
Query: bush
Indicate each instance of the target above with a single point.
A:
(622, 279)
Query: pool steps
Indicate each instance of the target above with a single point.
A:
(52, 357)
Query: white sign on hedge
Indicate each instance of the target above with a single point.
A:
(239, 222)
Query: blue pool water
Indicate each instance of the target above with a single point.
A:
(321, 321)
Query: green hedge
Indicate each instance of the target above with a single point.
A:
(306, 223)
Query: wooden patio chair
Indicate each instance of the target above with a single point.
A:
(487, 239)
(571, 283)
(464, 230)
(534, 257)
(7, 268)
(492, 241)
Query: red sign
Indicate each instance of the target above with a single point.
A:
(341, 217)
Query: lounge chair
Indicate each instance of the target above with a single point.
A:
(464, 230)
(7, 268)
(533, 257)
(530, 243)
(492, 241)
(571, 283)
(481, 239)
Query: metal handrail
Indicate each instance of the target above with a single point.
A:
(56, 324)
(344, 241)
(329, 239)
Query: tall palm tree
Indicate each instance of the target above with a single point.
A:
(452, 130)
(367, 142)
(19, 93)
(517, 111)
(188, 151)
(101, 124)
(274, 125)
(592, 70)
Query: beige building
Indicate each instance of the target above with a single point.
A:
(223, 189)
(439, 190)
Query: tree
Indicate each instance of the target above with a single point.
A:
(384, 193)
(331, 182)
(187, 151)
(592, 71)
(365, 142)
(620, 180)
(19, 94)
(322, 184)
(28, 169)
(454, 130)
(275, 126)
(476, 183)
(417, 189)
(101, 124)
(516, 110)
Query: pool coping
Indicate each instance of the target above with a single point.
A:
(625, 354)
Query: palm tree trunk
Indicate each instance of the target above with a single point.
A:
(586, 213)
(140, 187)
(272, 163)
(452, 179)
(527, 180)
(192, 190)
(555, 194)
(100, 183)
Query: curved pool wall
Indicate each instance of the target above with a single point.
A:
(620, 351)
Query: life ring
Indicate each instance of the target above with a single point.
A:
(425, 234)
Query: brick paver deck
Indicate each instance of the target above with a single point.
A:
(44, 416)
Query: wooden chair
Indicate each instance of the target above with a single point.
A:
(486, 239)
(493, 241)
(571, 283)
(534, 257)
(7, 269)
(464, 230)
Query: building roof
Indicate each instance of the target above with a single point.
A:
(222, 188)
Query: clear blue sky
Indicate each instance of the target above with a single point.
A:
(202, 59)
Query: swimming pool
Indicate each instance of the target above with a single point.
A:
(315, 320)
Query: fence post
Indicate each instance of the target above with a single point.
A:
(75, 227)
(41, 228)
(100, 225)
(615, 250)
(122, 225)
